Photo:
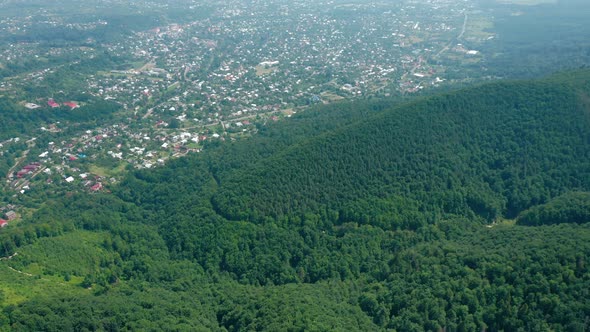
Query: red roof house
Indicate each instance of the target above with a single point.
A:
(3, 223)
(71, 105)
(96, 187)
(52, 103)
(22, 173)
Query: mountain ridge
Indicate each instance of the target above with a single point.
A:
(449, 124)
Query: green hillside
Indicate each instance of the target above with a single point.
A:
(572, 207)
(491, 151)
(361, 216)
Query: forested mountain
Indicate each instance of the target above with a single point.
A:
(349, 217)
(493, 150)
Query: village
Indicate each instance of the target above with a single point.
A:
(183, 85)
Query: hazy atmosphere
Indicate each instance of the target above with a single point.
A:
(274, 165)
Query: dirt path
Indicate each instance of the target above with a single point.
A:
(21, 272)
(8, 257)
(149, 112)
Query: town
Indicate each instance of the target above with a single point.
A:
(177, 86)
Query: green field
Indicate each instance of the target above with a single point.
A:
(40, 270)
(478, 27)
(108, 172)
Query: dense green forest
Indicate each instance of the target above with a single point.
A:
(459, 212)
(572, 207)
(490, 151)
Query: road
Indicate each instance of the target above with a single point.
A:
(149, 112)
(18, 161)
(464, 27)
(459, 37)
(26, 182)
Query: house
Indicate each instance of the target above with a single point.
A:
(96, 187)
(52, 103)
(71, 105)
(3, 223)
(10, 215)
(20, 174)
(31, 167)
(31, 106)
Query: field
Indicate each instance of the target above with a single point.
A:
(478, 28)
(39, 269)
(329, 96)
(264, 70)
(104, 171)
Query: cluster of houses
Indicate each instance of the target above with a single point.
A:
(28, 169)
(150, 147)
(52, 104)
(188, 84)
(313, 57)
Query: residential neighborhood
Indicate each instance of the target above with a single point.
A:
(177, 86)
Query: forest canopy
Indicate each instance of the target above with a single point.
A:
(349, 217)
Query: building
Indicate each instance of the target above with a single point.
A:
(96, 187)
(52, 103)
(10, 215)
(71, 105)
(32, 106)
